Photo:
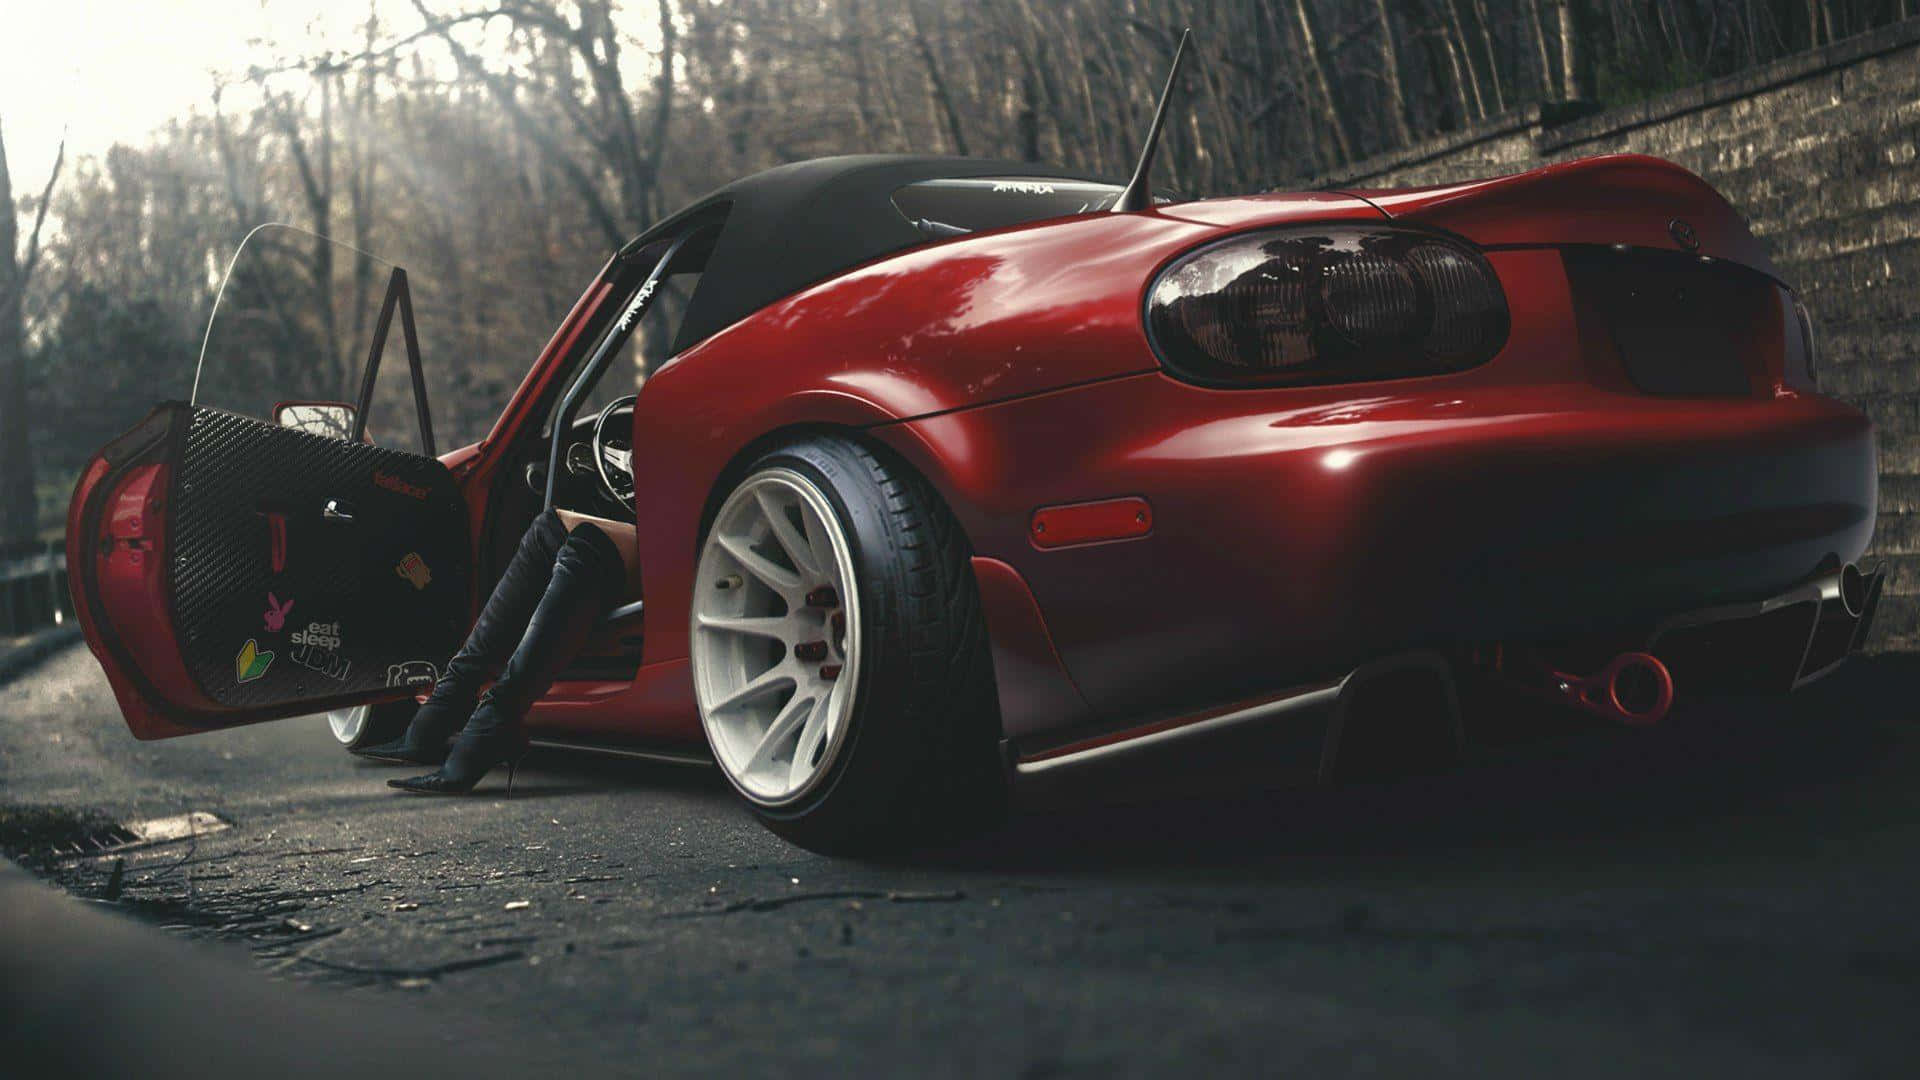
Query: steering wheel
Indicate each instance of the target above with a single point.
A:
(613, 458)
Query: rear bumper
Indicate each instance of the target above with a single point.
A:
(1297, 534)
(1777, 644)
(1294, 736)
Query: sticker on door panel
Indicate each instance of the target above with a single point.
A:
(251, 663)
(412, 673)
(414, 569)
(317, 647)
(276, 614)
(395, 484)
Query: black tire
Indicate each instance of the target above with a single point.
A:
(920, 763)
(384, 722)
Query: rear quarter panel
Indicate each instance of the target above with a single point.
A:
(991, 317)
(1300, 532)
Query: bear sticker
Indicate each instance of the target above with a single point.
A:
(413, 673)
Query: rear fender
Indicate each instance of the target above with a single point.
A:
(935, 330)
(697, 455)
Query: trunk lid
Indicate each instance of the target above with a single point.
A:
(1643, 202)
(1663, 276)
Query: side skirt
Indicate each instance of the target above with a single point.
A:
(690, 758)
(1294, 734)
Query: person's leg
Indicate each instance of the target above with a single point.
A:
(498, 629)
(619, 532)
(589, 578)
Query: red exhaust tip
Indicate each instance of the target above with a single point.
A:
(1635, 688)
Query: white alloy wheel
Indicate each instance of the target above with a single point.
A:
(348, 723)
(776, 636)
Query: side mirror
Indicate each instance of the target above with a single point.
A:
(333, 419)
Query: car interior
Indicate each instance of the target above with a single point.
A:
(595, 473)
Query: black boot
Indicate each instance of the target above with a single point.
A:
(588, 579)
(492, 638)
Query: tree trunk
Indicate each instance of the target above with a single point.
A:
(1029, 118)
(597, 42)
(1480, 21)
(19, 511)
(662, 114)
(1079, 61)
(1549, 86)
(360, 167)
(19, 516)
(862, 78)
(942, 97)
(1463, 89)
(1310, 48)
(1462, 57)
(1575, 63)
(316, 186)
(1390, 68)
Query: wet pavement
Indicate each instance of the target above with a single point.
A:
(1732, 893)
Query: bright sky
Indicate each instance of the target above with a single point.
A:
(113, 70)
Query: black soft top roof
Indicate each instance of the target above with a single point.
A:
(801, 223)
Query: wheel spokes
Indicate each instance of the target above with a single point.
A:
(776, 577)
(809, 743)
(776, 627)
(797, 547)
(817, 544)
(780, 730)
(764, 683)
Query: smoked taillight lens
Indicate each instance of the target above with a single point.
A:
(1331, 304)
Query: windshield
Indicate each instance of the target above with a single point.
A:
(295, 319)
(290, 322)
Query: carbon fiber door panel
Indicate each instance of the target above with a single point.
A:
(277, 601)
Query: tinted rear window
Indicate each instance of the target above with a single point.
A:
(995, 202)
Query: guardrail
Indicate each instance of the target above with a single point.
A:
(33, 589)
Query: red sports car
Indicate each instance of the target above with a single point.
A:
(953, 483)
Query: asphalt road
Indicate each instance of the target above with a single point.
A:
(1734, 894)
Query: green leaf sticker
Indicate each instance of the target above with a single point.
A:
(251, 663)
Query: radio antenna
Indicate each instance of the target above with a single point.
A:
(1139, 192)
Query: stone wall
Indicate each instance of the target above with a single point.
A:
(1818, 151)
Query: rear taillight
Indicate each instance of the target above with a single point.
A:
(1334, 304)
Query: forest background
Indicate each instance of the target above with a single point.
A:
(500, 151)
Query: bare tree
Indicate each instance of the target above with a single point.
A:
(19, 512)
(602, 116)
(1576, 69)
(1390, 74)
(504, 177)
(1317, 67)
(1543, 56)
(315, 166)
(942, 96)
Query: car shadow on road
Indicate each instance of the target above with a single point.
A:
(1802, 769)
(551, 772)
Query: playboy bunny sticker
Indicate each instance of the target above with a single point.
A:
(276, 615)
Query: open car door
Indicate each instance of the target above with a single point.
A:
(228, 570)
